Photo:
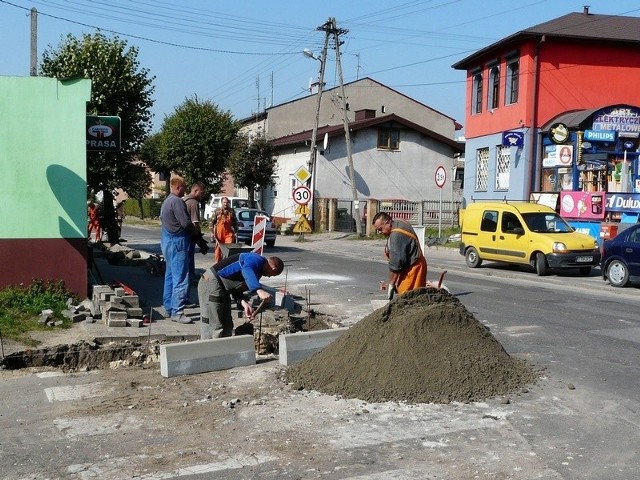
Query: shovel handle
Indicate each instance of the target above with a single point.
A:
(441, 278)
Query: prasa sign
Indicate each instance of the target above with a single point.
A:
(103, 134)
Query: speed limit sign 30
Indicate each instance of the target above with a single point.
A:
(301, 195)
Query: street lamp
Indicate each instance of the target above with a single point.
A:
(313, 151)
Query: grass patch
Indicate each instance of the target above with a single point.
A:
(20, 308)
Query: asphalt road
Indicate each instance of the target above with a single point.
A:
(580, 421)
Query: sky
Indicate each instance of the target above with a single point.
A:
(246, 55)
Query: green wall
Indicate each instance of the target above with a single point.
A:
(43, 157)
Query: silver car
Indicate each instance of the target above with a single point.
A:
(245, 218)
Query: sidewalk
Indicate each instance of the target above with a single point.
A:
(149, 289)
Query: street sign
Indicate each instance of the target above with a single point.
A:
(302, 225)
(302, 174)
(302, 210)
(301, 195)
(103, 133)
(441, 176)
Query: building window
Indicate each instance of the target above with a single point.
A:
(389, 139)
(482, 169)
(503, 162)
(512, 81)
(293, 183)
(476, 95)
(494, 88)
(274, 186)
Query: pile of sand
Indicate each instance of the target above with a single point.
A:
(424, 347)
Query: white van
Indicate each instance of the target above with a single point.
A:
(236, 202)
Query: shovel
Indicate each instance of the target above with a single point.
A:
(247, 327)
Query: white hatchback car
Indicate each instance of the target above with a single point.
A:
(215, 202)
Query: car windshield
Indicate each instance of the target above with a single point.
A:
(546, 222)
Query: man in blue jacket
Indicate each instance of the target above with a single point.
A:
(233, 276)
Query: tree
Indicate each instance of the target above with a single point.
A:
(195, 142)
(118, 87)
(139, 184)
(253, 163)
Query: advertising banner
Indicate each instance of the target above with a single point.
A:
(583, 205)
(623, 202)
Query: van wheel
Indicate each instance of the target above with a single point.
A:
(472, 258)
(541, 264)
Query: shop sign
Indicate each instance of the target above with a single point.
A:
(617, 119)
(558, 156)
(623, 202)
(512, 139)
(586, 205)
(559, 133)
(599, 136)
(103, 133)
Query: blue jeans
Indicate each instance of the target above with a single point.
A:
(175, 249)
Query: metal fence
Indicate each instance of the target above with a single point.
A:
(430, 213)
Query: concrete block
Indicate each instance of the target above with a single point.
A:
(106, 296)
(116, 319)
(295, 347)
(117, 322)
(78, 317)
(134, 312)
(118, 292)
(132, 301)
(99, 289)
(286, 301)
(116, 300)
(206, 355)
(134, 322)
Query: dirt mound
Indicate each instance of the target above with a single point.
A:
(424, 347)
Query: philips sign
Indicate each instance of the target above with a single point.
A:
(599, 136)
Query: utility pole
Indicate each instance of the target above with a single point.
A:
(347, 135)
(313, 151)
(34, 43)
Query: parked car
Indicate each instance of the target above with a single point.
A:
(620, 262)
(526, 234)
(246, 218)
(236, 202)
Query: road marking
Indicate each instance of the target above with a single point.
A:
(124, 467)
(49, 374)
(100, 425)
(73, 392)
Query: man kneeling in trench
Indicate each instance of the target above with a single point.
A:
(235, 275)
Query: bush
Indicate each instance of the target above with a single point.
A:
(150, 207)
(21, 306)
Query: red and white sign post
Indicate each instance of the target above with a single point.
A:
(441, 179)
(259, 230)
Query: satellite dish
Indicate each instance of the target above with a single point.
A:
(325, 143)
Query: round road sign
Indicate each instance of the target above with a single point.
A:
(441, 176)
(301, 195)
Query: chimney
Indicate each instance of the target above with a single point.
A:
(585, 9)
(363, 114)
